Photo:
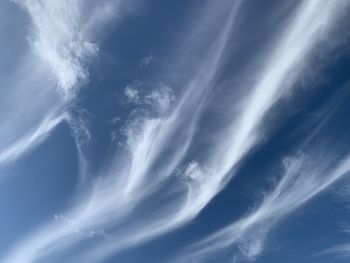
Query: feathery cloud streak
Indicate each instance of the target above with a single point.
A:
(147, 138)
(51, 72)
(111, 202)
(303, 178)
(276, 80)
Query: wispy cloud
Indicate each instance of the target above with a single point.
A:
(63, 35)
(158, 141)
(275, 81)
(30, 108)
(145, 61)
(302, 179)
(30, 140)
(132, 93)
(125, 184)
(58, 38)
(284, 65)
(51, 71)
(341, 249)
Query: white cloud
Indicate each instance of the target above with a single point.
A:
(113, 197)
(161, 98)
(304, 177)
(49, 75)
(62, 35)
(57, 37)
(157, 146)
(275, 80)
(29, 108)
(194, 171)
(342, 249)
(132, 94)
(146, 60)
(30, 140)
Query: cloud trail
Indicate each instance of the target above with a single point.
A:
(303, 179)
(30, 104)
(62, 35)
(115, 195)
(51, 72)
(341, 249)
(58, 40)
(277, 79)
(31, 140)
(109, 204)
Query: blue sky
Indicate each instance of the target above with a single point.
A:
(174, 131)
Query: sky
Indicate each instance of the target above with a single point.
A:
(174, 131)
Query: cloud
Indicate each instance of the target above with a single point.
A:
(62, 35)
(160, 98)
(57, 39)
(111, 198)
(51, 71)
(341, 249)
(275, 81)
(299, 183)
(30, 108)
(155, 161)
(146, 60)
(304, 177)
(132, 94)
(30, 140)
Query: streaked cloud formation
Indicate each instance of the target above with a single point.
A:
(167, 169)
(52, 70)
